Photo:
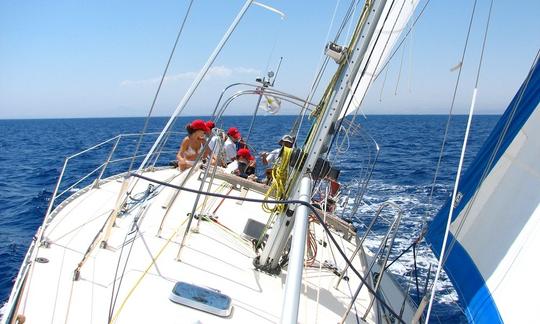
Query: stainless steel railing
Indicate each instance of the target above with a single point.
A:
(38, 240)
(116, 140)
(383, 246)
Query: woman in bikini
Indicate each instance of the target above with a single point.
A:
(192, 145)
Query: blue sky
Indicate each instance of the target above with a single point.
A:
(103, 58)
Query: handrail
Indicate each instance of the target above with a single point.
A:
(109, 160)
(391, 233)
(92, 148)
(270, 91)
(39, 238)
(395, 226)
(80, 180)
(280, 95)
(368, 166)
(96, 183)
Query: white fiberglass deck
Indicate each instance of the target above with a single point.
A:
(218, 256)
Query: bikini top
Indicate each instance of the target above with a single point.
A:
(191, 151)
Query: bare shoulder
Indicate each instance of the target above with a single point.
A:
(185, 143)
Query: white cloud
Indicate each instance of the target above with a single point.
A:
(215, 72)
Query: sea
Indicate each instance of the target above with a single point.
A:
(32, 154)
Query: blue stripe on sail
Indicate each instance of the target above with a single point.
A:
(460, 267)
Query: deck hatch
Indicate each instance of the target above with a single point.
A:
(204, 299)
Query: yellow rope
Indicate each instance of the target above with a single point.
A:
(220, 188)
(115, 317)
(279, 181)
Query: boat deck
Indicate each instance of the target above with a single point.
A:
(218, 256)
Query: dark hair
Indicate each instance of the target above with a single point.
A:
(190, 129)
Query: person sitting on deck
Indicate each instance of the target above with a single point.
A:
(192, 145)
(268, 159)
(233, 137)
(246, 164)
(210, 125)
(218, 156)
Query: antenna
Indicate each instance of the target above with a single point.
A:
(277, 71)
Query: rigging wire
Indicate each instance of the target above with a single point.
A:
(147, 195)
(492, 157)
(442, 257)
(402, 40)
(410, 65)
(277, 34)
(323, 63)
(400, 68)
(491, 161)
(383, 83)
(147, 120)
(449, 119)
(351, 22)
(345, 21)
(314, 211)
(365, 69)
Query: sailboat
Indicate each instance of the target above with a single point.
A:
(202, 245)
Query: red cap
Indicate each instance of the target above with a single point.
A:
(234, 133)
(210, 124)
(199, 124)
(244, 153)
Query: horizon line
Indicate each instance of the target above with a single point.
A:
(247, 115)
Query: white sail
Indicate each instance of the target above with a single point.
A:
(495, 235)
(394, 19)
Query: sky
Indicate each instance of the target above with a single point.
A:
(70, 59)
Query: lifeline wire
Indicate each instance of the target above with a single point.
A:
(300, 202)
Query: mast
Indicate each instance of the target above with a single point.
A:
(378, 27)
(333, 102)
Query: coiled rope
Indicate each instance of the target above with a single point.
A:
(279, 181)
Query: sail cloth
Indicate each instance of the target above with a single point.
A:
(393, 21)
(495, 234)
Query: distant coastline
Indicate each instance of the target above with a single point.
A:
(208, 116)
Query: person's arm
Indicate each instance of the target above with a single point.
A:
(180, 155)
(264, 155)
(272, 157)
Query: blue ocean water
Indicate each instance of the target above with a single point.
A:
(32, 153)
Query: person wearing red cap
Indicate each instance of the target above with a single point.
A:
(246, 164)
(233, 136)
(210, 125)
(192, 145)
